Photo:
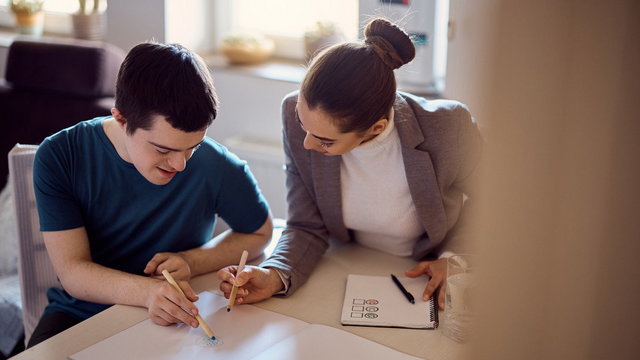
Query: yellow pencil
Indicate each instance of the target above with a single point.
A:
(234, 289)
(203, 324)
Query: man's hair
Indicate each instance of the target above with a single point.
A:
(168, 80)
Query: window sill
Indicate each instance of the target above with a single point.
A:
(8, 35)
(273, 69)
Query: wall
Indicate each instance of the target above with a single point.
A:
(558, 228)
(469, 54)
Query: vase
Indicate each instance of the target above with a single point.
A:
(89, 26)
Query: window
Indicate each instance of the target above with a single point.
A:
(285, 21)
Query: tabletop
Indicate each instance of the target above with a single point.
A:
(319, 301)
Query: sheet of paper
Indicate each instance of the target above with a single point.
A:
(246, 331)
(324, 342)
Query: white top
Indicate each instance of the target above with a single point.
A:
(376, 203)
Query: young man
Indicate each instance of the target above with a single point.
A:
(122, 198)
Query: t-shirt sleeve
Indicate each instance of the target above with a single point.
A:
(240, 202)
(53, 187)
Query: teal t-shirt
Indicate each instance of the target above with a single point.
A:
(81, 181)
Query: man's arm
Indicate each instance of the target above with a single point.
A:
(83, 279)
(225, 249)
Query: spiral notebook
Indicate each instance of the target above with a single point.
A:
(377, 301)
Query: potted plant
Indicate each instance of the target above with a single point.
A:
(29, 16)
(322, 35)
(88, 21)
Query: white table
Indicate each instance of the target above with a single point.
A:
(318, 301)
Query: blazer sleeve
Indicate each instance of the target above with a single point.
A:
(469, 143)
(305, 238)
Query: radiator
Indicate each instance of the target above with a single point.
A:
(266, 160)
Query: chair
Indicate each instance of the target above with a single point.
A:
(52, 84)
(34, 267)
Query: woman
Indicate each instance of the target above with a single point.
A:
(367, 163)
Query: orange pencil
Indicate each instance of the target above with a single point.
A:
(234, 289)
(203, 324)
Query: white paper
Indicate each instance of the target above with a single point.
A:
(324, 342)
(377, 301)
(247, 332)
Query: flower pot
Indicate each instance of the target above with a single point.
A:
(30, 23)
(89, 26)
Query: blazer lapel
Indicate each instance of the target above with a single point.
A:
(328, 194)
(421, 176)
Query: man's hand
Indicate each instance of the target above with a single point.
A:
(167, 306)
(254, 283)
(437, 271)
(175, 263)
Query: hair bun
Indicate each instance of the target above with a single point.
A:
(390, 42)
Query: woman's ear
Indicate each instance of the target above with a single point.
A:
(379, 126)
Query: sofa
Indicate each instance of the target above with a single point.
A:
(51, 84)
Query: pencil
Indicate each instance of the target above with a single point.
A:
(203, 324)
(234, 289)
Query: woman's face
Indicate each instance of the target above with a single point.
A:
(324, 136)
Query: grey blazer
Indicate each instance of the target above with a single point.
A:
(441, 148)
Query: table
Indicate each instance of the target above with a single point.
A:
(319, 301)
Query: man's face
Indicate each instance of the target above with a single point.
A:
(162, 151)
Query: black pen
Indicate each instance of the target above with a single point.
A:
(404, 291)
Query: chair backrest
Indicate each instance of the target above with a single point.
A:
(34, 267)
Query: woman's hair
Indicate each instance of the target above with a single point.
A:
(167, 80)
(354, 83)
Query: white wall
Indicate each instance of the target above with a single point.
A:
(559, 231)
(470, 54)
(249, 105)
(132, 22)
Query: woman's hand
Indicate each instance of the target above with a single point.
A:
(437, 271)
(174, 263)
(254, 283)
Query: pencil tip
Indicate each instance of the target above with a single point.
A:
(213, 338)
(228, 309)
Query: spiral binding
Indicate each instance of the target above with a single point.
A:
(433, 312)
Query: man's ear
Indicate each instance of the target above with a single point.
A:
(122, 122)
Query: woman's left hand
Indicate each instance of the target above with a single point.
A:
(174, 263)
(436, 270)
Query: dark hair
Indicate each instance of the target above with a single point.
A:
(354, 82)
(167, 80)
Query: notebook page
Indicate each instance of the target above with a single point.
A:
(377, 301)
